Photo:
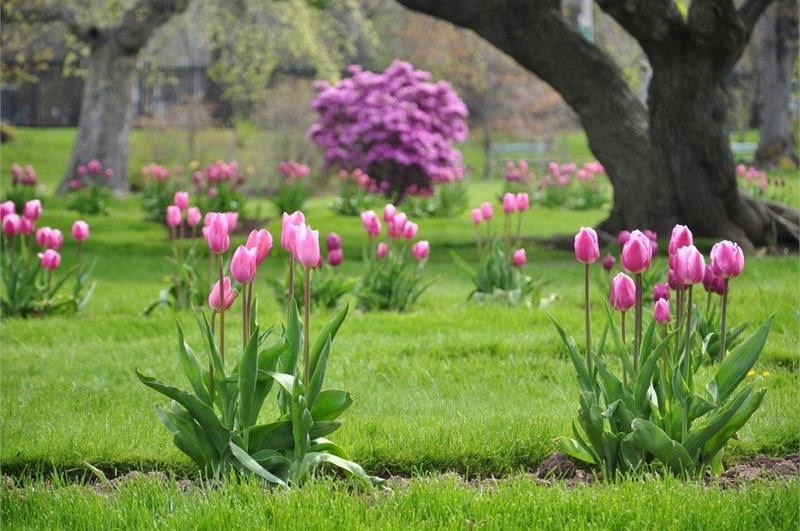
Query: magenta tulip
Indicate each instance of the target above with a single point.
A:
(80, 231)
(229, 295)
(56, 239)
(335, 257)
(672, 280)
(243, 264)
(486, 210)
(334, 241)
(6, 208)
(608, 262)
(622, 237)
(94, 166)
(371, 223)
(27, 226)
(586, 247)
(261, 241)
(216, 232)
(383, 248)
(11, 224)
(623, 292)
(173, 216)
(689, 266)
(193, 216)
(477, 216)
(681, 237)
(43, 236)
(181, 200)
(421, 250)
(637, 253)
(410, 230)
(33, 209)
(523, 201)
(49, 259)
(519, 258)
(509, 203)
(727, 259)
(388, 212)
(661, 311)
(233, 220)
(660, 291)
(307, 246)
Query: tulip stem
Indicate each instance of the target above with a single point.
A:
(687, 361)
(244, 316)
(210, 361)
(587, 318)
(478, 239)
(291, 285)
(306, 325)
(678, 316)
(519, 230)
(637, 345)
(723, 331)
(221, 310)
(622, 325)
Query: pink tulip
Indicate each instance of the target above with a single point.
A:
(587, 249)
(486, 210)
(623, 292)
(477, 216)
(681, 237)
(43, 236)
(50, 259)
(519, 258)
(388, 212)
(712, 283)
(637, 253)
(81, 170)
(27, 226)
(108, 174)
(94, 166)
(56, 239)
(509, 203)
(421, 250)
(80, 231)
(11, 224)
(193, 216)
(689, 266)
(33, 209)
(243, 264)
(622, 237)
(609, 261)
(661, 311)
(672, 280)
(216, 232)
(335, 257)
(229, 295)
(289, 229)
(383, 248)
(173, 216)
(6, 208)
(233, 220)
(410, 230)
(727, 259)
(181, 200)
(261, 242)
(307, 246)
(660, 291)
(334, 241)
(523, 201)
(371, 223)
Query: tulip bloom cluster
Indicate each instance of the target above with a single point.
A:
(388, 283)
(292, 190)
(658, 410)
(572, 186)
(88, 187)
(220, 186)
(28, 272)
(23, 185)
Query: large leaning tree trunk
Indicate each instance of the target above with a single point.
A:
(777, 34)
(107, 112)
(670, 162)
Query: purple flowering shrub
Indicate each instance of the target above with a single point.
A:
(398, 126)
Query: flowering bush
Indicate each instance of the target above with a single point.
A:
(88, 192)
(158, 190)
(661, 408)
(23, 185)
(217, 424)
(218, 188)
(292, 190)
(397, 126)
(499, 275)
(568, 186)
(389, 283)
(31, 287)
(758, 184)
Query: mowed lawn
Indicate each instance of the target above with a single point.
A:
(481, 391)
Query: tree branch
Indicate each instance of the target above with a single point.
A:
(53, 13)
(139, 22)
(716, 24)
(750, 12)
(648, 21)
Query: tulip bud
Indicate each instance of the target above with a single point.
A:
(727, 259)
(637, 253)
(233, 220)
(622, 237)
(371, 223)
(660, 291)
(216, 232)
(335, 257)
(243, 264)
(523, 201)
(33, 209)
(410, 230)
(689, 266)
(50, 259)
(261, 241)
(388, 212)
(609, 261)
(80, 231)
(229, 295)
(43, 236)
(11, 224)
(509, 203)
(56, 239)
(289, 229)
(193, 216)
(173, 216)
(307, 246)
(27, 226)
(383, 248)
(586, 247)
(623, 292)
(672, 280)
(681, 237)
(6, 208)
(486, 210)
(519, 258)
(661, 311)
(181, 200)
(477, 216)
(421, 250)
(334, 241)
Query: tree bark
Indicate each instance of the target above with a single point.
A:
(486, 129)
(777, 33)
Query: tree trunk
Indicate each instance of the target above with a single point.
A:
(107, 113)
(487, 148)
(777, 33)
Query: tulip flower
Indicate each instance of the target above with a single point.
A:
(689, 266)
(383, 248)
(243, 264)
(228, 295)
(334, 241)
(637, 253)
(289, 228)
(388, 212)
(216, 232)
(94, 166)
(672, 280)
(523, 201)
(660, 291)
(43, 236)
(486, 210)
(622, 237)
(421, 250)
(608, 262)
(622, 297)
(371, 223)
(193, 217)
(586, 247)
(335, 257)
(681, 237)
(307, 246)
(261, 241)
(181, 200)
(6, 208)
(27, 226)
(233, 220)
(173, 216)
(56, 239)
(50, 259)
(727, 261)
(519, 258)
(509, 203)
(410, 230)
(477, 216)
(33, 209)
(80, 231)
(661, 311)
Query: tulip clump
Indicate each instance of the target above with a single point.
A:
(389, 283)
(217, 424)
(571, 186)
(31, 257)
(88, 188)
(660, 408)
(292, 189)
(23, 185)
